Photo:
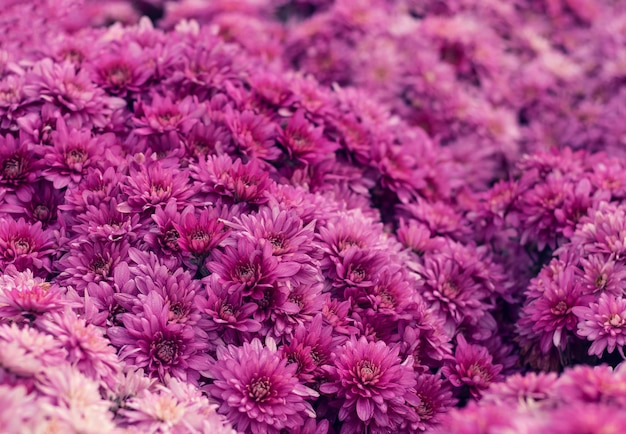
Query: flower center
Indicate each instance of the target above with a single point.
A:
(259, 389)
(100, 265)
(41, 212)
(118, 75)
(22, 246)
(615, 320)
(227, 311)
(75, 156)
(357, 274)
(368, 372)
(166, 351)
(601, 281)
(478, 373)
(245, 272)
(170, 239)
(560, 309)
(12, 167)
(277, 241)
(425, 408)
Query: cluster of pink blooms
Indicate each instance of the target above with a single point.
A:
(312, 216)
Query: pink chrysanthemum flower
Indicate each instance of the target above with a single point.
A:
(164, 116)
(253, 136)
(73, 153)
(74, 402)
(282, 229)
(435, 400)
(369, 379)
(91, 262)
(551, 315)
(105, 222)
(26, 352)
(123, 71)
(591, 384)
(474, 367)
(149, 341)
(162, 236)
(226, 312)
(530, 390)
(305, 142)
(42, 206)
(19, 167)
(220, 177)
(17, 408)
(310, 349)
(174, 407)
(71, 89)
(602, 275)
(198, 236)
(247, 269)
(25, 297)
(96, 186)
(258, 391)
(87, 348)
(604, 324)
(25, 246)
(152, 185)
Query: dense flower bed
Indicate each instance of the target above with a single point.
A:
(311, 216)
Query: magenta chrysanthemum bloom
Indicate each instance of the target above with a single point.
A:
(24, 245)
(259, 392)
(18, 167)
(282, 229)
(74, 152)
(71, 90)
(91, 262)
(226, 312)
(248, 269)
(149, 341)
(162, 237)
(474, 367)
(369, 379)
(200, 235)
(123, 71)
(106, 223)
(25, 297)
(604, 324)
(304, 142)
(164, 116)
(220, 177)
(551, 314)
(152, 184)
(253, 135)
(42, 206)
(435, 399)
(97, 186)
